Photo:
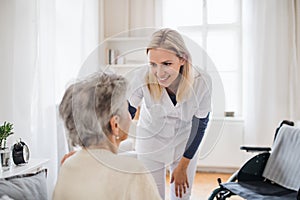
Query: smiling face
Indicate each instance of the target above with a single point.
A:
(165, 66)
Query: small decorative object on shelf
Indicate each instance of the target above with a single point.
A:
(229, 114)
(112, 55)
(5, 153)
(20, 152)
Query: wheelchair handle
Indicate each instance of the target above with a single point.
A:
(255, 149)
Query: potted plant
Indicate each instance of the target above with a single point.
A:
(5, 131)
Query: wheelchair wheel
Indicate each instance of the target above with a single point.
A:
(219, 194)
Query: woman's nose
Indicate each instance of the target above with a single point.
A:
(160, 71)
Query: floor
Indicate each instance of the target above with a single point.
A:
(204, 184)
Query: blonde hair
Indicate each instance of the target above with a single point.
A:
(172, 41)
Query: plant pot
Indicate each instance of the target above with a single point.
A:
(5, 158)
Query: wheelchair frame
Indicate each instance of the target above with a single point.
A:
(252, 170)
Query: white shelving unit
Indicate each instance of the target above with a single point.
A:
(123, 69)
(128, 39)
(129, 50)
(126, 50)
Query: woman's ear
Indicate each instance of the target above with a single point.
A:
(114, 124)
(182, 61)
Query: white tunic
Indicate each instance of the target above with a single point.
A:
(163, 129)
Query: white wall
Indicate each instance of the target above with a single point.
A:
(124, 15)
(6, 61)
(220, 149)
(17, 64)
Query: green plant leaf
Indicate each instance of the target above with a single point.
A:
(5, 131)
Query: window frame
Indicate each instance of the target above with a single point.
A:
(205, 28)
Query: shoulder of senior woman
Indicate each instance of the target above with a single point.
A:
(121, 163)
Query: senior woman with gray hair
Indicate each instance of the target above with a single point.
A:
(95, 113)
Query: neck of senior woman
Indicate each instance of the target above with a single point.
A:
(111, 144)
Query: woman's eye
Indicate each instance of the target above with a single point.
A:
(152, 65)
(167, 64)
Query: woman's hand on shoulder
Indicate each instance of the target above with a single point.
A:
(66, 156)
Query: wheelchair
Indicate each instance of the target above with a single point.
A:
(249, 182)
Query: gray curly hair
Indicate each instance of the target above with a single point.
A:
(88, 105)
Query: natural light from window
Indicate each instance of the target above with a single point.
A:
(216, 26)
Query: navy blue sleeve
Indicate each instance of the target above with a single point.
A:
(132, 110)
(198, 129)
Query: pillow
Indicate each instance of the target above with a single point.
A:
(5, 197)
(26, 186)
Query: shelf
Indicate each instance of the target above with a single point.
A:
(124, 69)
(127, 52)
(231, 119)
(122, 39)
(126, 65)
(33, 165)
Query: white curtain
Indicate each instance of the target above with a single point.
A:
(271, 62)
(43, 44)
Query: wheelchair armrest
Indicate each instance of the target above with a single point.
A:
(255, 149)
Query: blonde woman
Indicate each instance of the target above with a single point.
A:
(175, 102)
(95, 113)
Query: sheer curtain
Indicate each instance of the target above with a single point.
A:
(271, 63)
(43, 43)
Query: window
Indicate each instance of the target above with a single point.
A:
(216, 26)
